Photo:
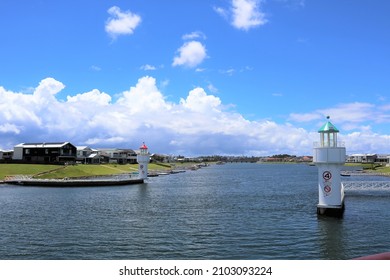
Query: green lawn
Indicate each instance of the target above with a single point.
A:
(44, 171)
(71, 171)
(24, 169)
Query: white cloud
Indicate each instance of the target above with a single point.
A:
(212, 88)
(194, 35)
(148, 67)
(221, 11)
(228, 72)
(121, 23)
(244, 14)
(355, 122)
(94, 97)
(366, 142)
(351, 115)
(9, 128)
(198, 101)
(199, 124)
(144, 97)
(95, 68)
(190, 54)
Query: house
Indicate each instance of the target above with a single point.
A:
(57, 152)
(6, 155)
(362, 158)
(87, 155)
(120, 156)
(161, 158)
(383, 158)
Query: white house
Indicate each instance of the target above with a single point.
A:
(86, 154)
(6, 154)
(120, 156)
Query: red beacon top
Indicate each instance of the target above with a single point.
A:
(143, 149)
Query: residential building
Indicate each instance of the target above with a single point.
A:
(369, 158)
(6, 154)
(86, 155)
(383, 158)
(120, 156)
(56, 152)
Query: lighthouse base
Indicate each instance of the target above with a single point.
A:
(331, 210)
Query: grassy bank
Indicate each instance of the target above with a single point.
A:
(24, 169)
(81, 170)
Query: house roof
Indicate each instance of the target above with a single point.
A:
(79, 148)
(43, 145)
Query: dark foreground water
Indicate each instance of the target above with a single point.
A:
(232, 211)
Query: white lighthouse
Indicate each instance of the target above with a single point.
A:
(143, 159)
(329, 156)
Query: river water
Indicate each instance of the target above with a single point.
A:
(231, 211)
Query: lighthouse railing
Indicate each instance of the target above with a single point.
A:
(318, 144)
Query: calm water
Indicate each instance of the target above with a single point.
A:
(232, 211)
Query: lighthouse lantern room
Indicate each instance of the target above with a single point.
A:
(143, 159)
(329, 156)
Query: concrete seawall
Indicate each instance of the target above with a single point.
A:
(23, 180)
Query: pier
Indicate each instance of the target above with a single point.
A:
(366, 185)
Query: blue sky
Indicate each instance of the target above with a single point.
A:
(241, 77)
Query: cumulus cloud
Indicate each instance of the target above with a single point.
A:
(199, 124)
(190, 54)
(198, 101)
(356, 121)
(246, 14)
(243, 14)
(94, 96)
(121, 22)
(355, 115)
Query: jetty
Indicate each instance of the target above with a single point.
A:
(23, 180)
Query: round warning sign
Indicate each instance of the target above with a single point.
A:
(327, 189)
(327, 175)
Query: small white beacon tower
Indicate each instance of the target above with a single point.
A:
(329, 157)
(143, 159)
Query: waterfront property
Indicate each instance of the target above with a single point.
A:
(86, 154)
(52, 152)
(120, 156)
(6, 155)
(369, 158)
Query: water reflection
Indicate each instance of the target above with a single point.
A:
(331, 237)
